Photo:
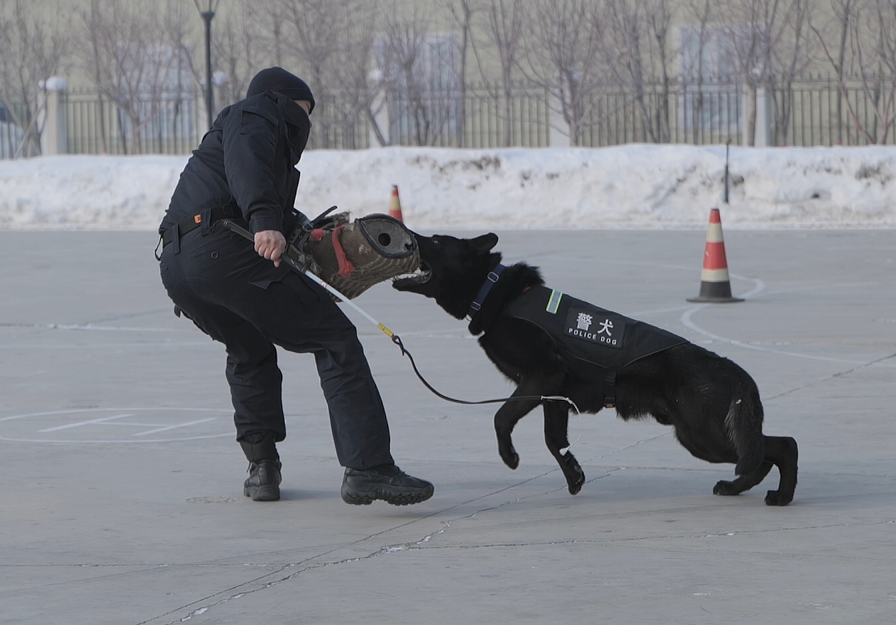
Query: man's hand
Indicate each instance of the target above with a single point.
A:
(270, 244)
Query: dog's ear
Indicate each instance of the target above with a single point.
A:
(484, 243)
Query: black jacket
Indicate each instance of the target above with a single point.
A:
(246, 161)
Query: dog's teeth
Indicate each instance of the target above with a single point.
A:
(418, 276)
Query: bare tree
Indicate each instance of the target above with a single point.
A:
(350, 93)
(400, 60)
(565, 58)
(885, 110)
(744, 24)
(238, 52)
(178, 23)
(867, 28)
(699, 13)
(313, 29)
(269, 16)
(641, 29)
(417, 73)
(132, 61)
(503, 38)
(34, 46)
(790, 56)
(755, 29)
(659, 21)
(837, 28)
(462, 12)
(331, 42)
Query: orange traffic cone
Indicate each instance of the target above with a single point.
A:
(715, 285)
(395, 204)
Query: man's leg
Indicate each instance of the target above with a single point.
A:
(293, 314)
(290, 310)
(255, 381)
(256, 394)
(357, 416)
(253, 375)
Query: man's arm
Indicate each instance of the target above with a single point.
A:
(250, 141)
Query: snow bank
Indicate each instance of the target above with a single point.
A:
(633, 186)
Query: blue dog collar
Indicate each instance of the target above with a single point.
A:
(490, 281)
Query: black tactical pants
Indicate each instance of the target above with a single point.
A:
(240, 299)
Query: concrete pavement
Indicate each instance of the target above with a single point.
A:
(121, 499)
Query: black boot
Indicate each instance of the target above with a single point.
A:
(263, 483)
(386, 482)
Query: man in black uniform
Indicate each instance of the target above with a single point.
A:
(244, 169)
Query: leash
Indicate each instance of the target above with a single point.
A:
(404, 352)
(294, 264)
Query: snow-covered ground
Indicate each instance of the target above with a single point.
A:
(633, 186)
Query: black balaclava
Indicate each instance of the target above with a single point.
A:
(278, 80)
(282, 82)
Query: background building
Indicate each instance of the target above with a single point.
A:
(122, 76)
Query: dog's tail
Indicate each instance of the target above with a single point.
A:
(744, 425)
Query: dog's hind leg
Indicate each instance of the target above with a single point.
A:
(743, 482)
(780, 451)
(783, 452)
(556, 420)
(743, 424)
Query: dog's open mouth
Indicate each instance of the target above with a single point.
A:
(421, 276)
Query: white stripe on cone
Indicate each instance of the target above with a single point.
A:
(714, 275)
(714, 233)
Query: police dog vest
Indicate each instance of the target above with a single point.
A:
(586, 332)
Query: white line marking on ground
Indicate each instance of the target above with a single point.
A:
(68, 426)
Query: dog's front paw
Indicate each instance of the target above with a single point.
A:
(575, 477)
(575, 485)
(507, 452)
(775, 498)
(510, 458)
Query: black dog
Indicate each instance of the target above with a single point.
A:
(711, 402)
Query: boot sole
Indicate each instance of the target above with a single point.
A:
(357, 498)
(262, 493)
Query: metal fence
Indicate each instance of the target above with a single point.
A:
(477, 117)
(12, 136)
(173, 124)
(170, 124)
(685, 114)
(821, 115)
(806, 113)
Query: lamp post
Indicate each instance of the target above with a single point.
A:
(206, 10)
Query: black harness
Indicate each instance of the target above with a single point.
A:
(490, 281)
(583, 332)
